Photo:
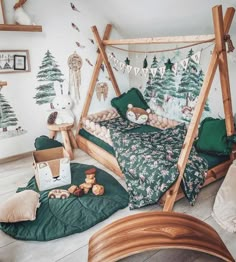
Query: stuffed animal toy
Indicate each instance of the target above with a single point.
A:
(62, 105)
(137, 115)
(20, 16)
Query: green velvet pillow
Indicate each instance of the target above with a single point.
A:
(213, 138)
(44, 142)
(133, 96)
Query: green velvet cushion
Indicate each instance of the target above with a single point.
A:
(57, 218)
(44, 142)
(213, 138)
(133, 96)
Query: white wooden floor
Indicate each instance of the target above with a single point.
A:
(75, 247)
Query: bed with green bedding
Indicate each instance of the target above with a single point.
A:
(152, 169)
(212, 160)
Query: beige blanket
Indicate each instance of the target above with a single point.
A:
(224, 209)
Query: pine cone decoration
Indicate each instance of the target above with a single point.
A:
(52, 117)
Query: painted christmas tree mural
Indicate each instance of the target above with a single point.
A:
(200, 82)
(8, 120)
(153, 93)
(190, 85)
(175, 94)
(168, 81)
(49, 73)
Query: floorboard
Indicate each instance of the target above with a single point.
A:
(75, 247)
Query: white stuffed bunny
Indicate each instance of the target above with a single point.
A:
(20, 16)
(62, 114)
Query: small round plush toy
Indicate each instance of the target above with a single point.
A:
(98, 190)
(137, 115)
(62, 114)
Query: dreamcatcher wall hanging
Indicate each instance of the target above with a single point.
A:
(102, 90)
(75, 63)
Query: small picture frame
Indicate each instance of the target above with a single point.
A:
(14, 61)
(2, 15)
(19, 62)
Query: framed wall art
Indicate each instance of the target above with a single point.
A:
(2, 15)
(14, 61)
(19, 62)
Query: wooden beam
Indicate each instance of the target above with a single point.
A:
(188, 142)
(155, 231)
(105, 59)
(161, 40)
(223, 67)
(94, 78)
(21, 28)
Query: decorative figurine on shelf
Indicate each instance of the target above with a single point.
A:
(62, 104)
(21, 17)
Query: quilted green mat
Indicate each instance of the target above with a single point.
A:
(62, 217)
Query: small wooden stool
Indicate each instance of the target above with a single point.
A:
(67, 136)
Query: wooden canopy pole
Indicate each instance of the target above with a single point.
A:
(224, 72)
(187, 145)
(105, 59)
(94, 77)
(161, 40)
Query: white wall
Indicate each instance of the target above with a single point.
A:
(59, 38)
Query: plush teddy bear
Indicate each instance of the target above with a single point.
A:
(137, 115)
(62, 104)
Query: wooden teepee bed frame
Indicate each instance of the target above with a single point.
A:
(218, 58)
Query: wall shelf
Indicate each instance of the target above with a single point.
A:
(23, 28)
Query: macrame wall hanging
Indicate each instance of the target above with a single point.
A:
(75, 63)
(102, 90)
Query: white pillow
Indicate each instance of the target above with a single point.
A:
(20, 207)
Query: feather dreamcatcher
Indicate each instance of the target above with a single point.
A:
(75, 63)
(102, 90)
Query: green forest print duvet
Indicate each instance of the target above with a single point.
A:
(148, 158)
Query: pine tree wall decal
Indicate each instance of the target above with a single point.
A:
(200, 82)
(168, 81)
(189, 83)
(154, 90)
(174, 94)
(7, 114)
(49, 72)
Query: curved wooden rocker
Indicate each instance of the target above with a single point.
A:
(152, 231)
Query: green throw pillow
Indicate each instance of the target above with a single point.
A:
(44, 142)
(213, 138)
(133, 96)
